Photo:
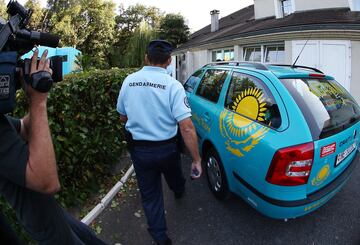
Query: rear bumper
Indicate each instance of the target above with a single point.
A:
(294, 208)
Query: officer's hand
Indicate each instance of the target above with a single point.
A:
(43, 65)
(196, 169)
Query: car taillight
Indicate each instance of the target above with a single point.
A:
(291, 166)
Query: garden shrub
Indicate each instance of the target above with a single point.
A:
(86, 130)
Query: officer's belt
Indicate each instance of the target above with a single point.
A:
(153, 143)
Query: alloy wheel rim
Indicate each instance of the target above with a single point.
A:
(214, 173)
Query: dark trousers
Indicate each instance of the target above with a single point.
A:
(7, 235)
(82, 233)
(149, 163)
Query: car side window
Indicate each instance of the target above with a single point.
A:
(192, 81)
(211, 84)
(250, 97)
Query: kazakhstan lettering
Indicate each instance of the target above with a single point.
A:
(147, 84)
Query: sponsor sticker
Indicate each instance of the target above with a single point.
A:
(327, 150)
(342, 155)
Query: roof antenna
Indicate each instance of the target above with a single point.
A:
(293, 65)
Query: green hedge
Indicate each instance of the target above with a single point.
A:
(86, 130)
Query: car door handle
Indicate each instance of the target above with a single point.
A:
(206, 117)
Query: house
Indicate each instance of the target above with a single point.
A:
(275, 31)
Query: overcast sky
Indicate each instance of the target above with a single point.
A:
(196, 13)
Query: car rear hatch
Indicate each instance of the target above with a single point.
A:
(333, 118)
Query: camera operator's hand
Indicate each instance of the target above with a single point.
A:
(41, 171)
(37, 71)
(43, 65)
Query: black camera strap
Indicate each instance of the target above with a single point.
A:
(41, 81)
(8, 29)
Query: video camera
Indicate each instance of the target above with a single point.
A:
(15, 41)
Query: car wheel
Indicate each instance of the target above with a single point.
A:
(216, 175)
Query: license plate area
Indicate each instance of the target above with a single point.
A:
(342, 155)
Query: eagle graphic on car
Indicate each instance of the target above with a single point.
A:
(239, 128)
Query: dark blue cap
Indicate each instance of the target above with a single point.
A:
(159, 46)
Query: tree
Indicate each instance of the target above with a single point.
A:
(3, 13)
(135, 52)
(37, 15)
(128, 23)
(56, 11)
(99, 36)
(61, 5)
(129, 19)
(87, 25)
(174, 29)
(70, 25)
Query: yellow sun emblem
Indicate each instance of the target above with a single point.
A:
(235, 127)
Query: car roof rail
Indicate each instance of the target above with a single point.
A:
(255, 65)
(298, 66)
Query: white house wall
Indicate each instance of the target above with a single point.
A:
(200, 58)
(303, 5)
(355, 76)
(190, 62)
(264, 8)
(268, 8)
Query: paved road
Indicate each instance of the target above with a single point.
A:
(199, 219)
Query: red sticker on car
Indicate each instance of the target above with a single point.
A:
(327, 150)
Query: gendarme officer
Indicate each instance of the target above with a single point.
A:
(153, 104)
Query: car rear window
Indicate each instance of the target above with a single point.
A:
(327, 107)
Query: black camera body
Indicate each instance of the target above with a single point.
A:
(15, 41)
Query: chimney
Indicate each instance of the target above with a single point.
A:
(214, 20)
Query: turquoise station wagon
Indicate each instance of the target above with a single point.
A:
(284, 138)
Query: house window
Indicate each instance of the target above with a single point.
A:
(286, 7)
(252, 54)
(222, 55)
(274, 54)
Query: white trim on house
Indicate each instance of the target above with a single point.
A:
(279, 12)
(293, 5)
(238, 52)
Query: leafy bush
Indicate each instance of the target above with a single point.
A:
(86, 131)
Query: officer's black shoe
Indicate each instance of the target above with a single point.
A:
(165, 242)
(179, 195)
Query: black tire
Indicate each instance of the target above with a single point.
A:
(216, 175)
